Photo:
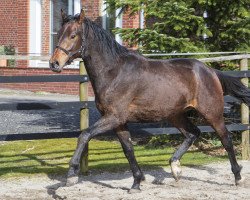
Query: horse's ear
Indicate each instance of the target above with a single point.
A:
(64, 15)
(82, 16)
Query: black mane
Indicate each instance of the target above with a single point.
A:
(103, 38)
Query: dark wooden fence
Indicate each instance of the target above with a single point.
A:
(83, 104)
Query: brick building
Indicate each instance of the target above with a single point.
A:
(30, 27)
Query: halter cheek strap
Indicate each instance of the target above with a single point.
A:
(62, 49)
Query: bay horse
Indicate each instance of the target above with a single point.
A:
(131, 88)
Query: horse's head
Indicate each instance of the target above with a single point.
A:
(70, 42)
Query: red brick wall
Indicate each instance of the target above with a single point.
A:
(14, 30)
(45, 27)
(130, 21)
(54, 87)
(14, 25)
(92, 9)
(8, 22)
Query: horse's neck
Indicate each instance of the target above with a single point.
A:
(98, 65)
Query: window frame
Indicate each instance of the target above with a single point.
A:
(118, 20)
(35, 30)
(77, 9)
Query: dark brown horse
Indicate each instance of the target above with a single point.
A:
(131, 88)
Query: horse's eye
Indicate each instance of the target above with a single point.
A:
(72, 36)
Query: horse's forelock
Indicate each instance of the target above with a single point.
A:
(70, 18)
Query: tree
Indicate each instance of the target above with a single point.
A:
(229, 22)
(180, 26)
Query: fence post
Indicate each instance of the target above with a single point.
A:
(84, 116)
(245, 116)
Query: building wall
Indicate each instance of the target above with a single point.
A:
(45, 27)
(92, 9)
(14, 25)
(130, 21)
(14, 31)
(14, 22)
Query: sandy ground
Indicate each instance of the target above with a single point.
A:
(214, 181)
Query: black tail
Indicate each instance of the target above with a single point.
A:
(233, 86)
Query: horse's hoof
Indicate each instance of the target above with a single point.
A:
(134, 191)
(72, 181)
(176, 169)
(240, 182)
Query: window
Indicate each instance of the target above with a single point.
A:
(71, 7)
(110, 21)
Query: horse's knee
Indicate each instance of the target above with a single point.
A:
(190, 139)
(128, 150)
(84, 137)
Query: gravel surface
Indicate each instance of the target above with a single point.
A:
(52, 120)
(40, 121)
(213, 181)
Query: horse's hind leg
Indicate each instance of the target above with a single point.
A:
(226, 140)
(213, 113)
(125, 139)
(191, 133)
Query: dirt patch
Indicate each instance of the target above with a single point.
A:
(214, 181)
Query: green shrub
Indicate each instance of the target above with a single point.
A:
(8, 50)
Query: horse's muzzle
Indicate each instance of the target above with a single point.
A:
(55, 67)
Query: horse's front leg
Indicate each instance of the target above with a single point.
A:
(125, 139)
(104, 124)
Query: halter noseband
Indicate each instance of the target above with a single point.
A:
(68, 53)
(80, 50)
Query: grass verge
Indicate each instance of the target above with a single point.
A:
(21, 158)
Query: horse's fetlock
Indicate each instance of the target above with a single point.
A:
(236, 170)
(138, 175)
(173, 159)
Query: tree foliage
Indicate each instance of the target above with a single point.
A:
(180, 26)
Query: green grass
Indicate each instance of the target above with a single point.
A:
(20, 158)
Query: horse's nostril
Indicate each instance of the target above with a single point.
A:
(56, 63)
(51, 65)
(54, 66)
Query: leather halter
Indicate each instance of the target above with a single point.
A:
(80, 50)
(68, 53)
